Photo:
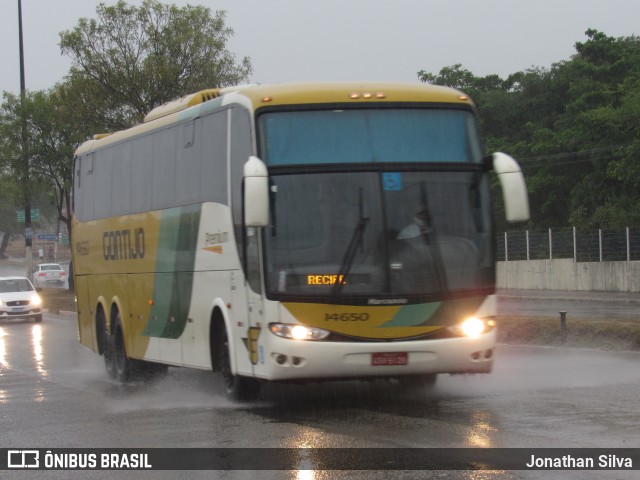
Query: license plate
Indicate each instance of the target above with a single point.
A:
(381, 359)
(19, 309)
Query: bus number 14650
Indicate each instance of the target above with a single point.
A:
(346, 317)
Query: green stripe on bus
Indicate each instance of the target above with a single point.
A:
(435, 314)
(173, 281)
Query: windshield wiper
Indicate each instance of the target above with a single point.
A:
(352, 248)
(427, 232)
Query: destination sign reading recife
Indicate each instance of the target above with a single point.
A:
(325, 279)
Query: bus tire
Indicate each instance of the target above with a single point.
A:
(237, 387)
(105, 344)
(124, 368)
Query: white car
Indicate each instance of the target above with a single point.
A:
(49, 275)
(19, 299)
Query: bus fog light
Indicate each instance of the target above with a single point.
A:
(280, 358)
(298, 332)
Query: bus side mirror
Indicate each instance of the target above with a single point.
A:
(256, 193)
(514, 190)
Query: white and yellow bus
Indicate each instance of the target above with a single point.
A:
(294, 232)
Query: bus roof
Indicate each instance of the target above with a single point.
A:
(309, 93)
(288, 94)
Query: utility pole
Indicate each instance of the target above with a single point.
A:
(26, 184)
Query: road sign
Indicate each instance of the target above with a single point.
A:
(35, 215)
(48, 237)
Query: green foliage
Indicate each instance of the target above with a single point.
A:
(575, 128)
(13, 150)
(124, 63)
(52, 134)
(132, 59)
(8, 220)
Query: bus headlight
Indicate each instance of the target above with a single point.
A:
(473, 327)
(298, 332)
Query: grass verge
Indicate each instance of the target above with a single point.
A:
(604, 334)
(58, 300)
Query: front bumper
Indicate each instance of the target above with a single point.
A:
(284, 359)
(11, 312)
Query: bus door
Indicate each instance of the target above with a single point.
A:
(247, 354)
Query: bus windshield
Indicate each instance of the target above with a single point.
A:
(372, 233)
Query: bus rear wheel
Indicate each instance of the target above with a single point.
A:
(105, 345)
(237, 387)
(119, 366)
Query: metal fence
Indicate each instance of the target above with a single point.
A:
(604, 245)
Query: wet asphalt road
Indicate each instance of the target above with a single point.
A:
(55, 393)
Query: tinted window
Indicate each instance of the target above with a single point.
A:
(369, 136)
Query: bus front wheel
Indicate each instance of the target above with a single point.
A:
(237, 387)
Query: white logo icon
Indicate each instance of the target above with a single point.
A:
(23, 459)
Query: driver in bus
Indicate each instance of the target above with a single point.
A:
(421, 224)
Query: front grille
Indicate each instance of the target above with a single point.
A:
(18, 303)
(435, 335)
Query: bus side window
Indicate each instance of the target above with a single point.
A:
(75, 192)
(241, 150)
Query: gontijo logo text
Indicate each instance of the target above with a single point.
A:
(123, 244)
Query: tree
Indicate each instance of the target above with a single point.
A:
(16, 183)
(454, 76)
(132, 59)
(573, 126)
(54, 132)
(8, 220)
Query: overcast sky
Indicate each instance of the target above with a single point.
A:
(379, 40)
